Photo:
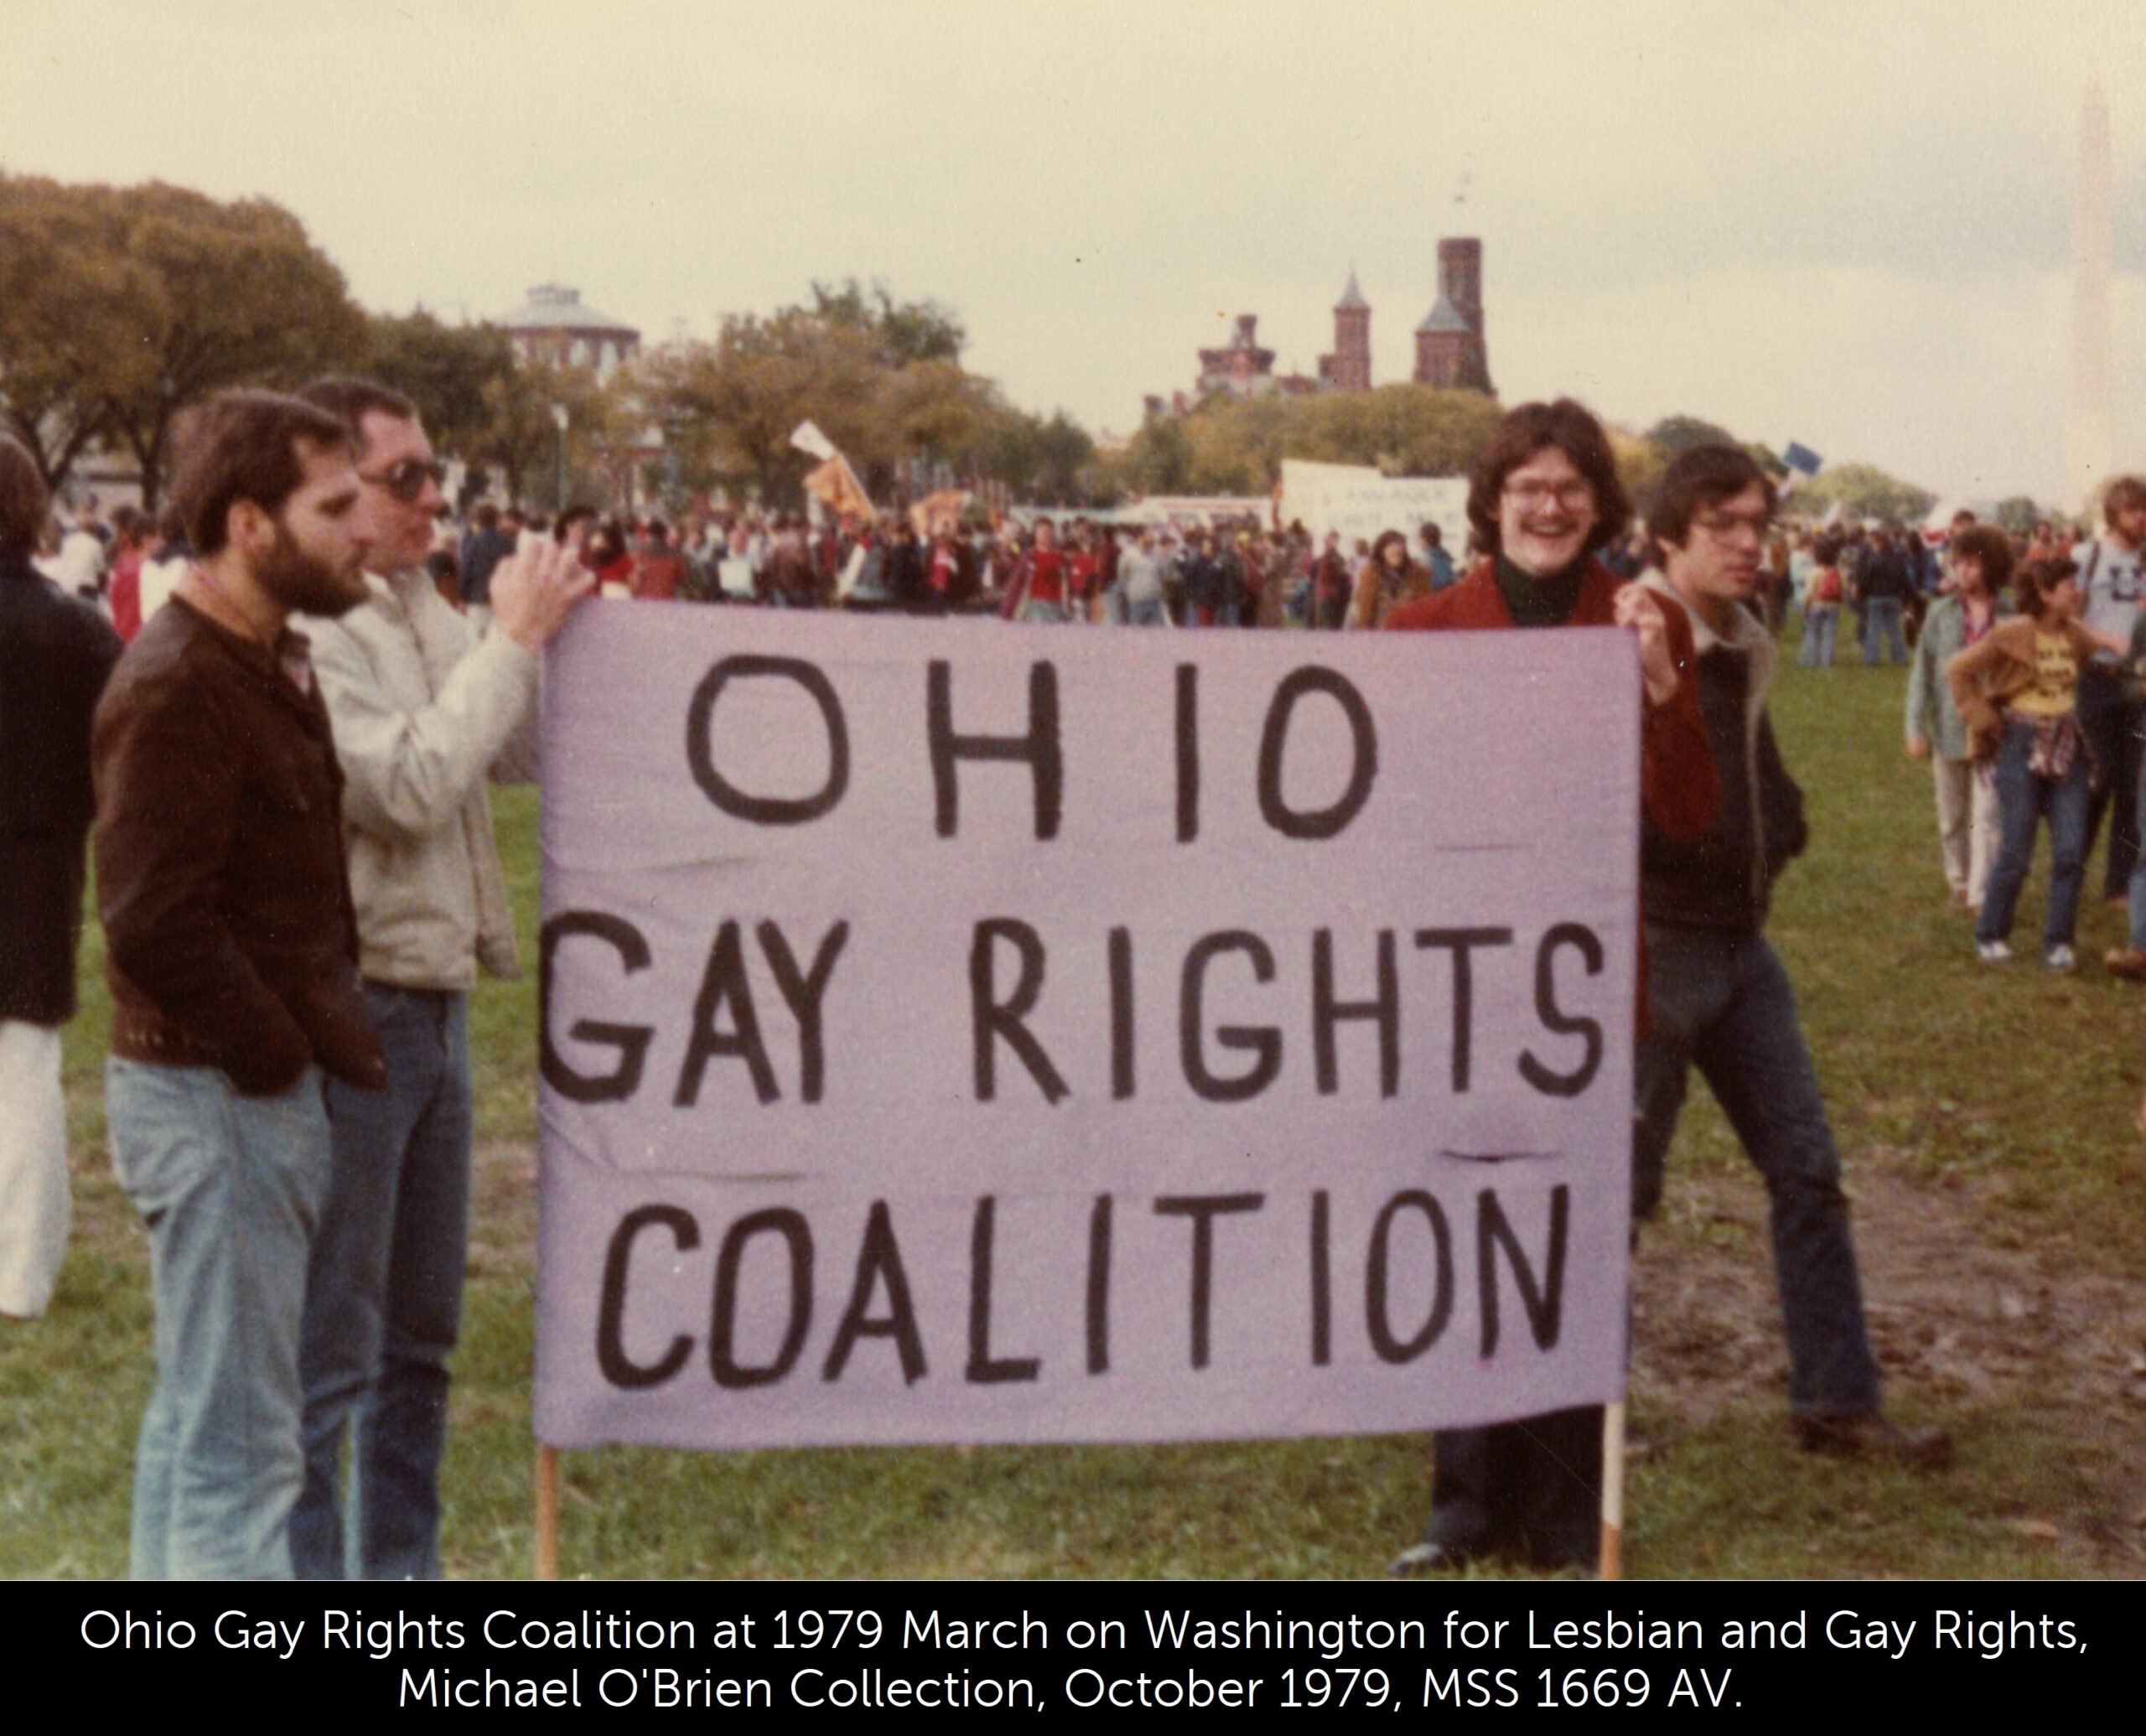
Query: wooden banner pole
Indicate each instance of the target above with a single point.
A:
(1613, 1491)
(547, 1511)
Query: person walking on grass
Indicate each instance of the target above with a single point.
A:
(1718, 997)
(1981, 564)
(2019, 690)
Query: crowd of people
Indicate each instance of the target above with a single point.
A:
(299, 885)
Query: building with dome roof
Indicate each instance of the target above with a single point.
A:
(555, 326)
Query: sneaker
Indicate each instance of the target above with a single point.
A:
(1419, 1560)
(2061, 958)
(2127, 962)
(1992, 952)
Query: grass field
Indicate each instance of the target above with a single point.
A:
(1985, 1117)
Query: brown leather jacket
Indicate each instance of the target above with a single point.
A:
(1996, 669)
(231, 941)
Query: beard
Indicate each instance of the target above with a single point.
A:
(304, 584)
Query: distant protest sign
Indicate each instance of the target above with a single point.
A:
(1357, 501)
(955, 1031)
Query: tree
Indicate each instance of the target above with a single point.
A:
(456, 375)
(905, 332)
(1236, 446)
(1676, 435)
(2019, 514)
(1864, 491)
(64, 349)
(882, 379)
(225, 295)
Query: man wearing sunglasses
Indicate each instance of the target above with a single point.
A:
(423, 707)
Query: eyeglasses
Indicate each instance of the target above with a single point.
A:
(1722, 525)
(1572, 495)
(405, 479)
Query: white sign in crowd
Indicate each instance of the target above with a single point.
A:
(1360, 503)
(963, 1032)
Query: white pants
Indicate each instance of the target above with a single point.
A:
(32, 1166)
(1966, 824)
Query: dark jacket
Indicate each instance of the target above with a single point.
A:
(55, 654)
(231, 941)
(1724, 880)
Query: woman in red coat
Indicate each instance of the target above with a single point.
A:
(1544, 499)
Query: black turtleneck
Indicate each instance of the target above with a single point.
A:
(1533, 602)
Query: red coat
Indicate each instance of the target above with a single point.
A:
(1680, 789)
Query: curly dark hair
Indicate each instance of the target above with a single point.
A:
(2034, 580)
(1570, 428)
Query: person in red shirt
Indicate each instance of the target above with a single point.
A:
(124, 584)
(662, 568)
(1045, 570)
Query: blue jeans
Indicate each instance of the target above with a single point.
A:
(383, 1302)
(1819, 621)
(1720, 1000)
(1883, 618)
(229, 1188)
(2111, 724)
(2022, 799)
(2135, 892)
(1144, 612)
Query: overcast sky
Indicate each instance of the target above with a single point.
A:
(1845, 224)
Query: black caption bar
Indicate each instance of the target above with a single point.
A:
(1725, 1651)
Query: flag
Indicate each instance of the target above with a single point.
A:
(806, 437)
(836, 485)
(944, 507)
(1799, 457)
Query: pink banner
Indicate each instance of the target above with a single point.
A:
(955, 1031)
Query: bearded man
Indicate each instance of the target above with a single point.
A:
(231, 953)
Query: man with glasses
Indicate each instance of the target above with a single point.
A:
(423, 707)
(1545, 499)
(1717, 996)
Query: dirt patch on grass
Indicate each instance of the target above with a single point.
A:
(1962, 1326)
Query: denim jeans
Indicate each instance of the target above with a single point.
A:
(229, 1188)
(1819, 621)
(1883, 619)
(2022, 799)
(1144, 612)
(383, 1302)
(2135, 893)
(1720, 1000)
(2111, 724)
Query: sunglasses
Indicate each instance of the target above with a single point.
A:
(405, 481)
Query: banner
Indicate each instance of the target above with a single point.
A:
(1357, 501)
(835, 485)
(958, 1031)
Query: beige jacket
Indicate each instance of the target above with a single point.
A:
(423, 709)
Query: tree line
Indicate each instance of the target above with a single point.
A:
(121, 306)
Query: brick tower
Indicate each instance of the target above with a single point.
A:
(1460, 278)
(1349, 368)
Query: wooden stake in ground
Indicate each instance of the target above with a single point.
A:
(547, 1511)
(1613, 1491)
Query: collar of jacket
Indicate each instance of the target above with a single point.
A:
(1746, 634)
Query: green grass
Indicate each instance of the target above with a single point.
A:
(2001, 1100)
